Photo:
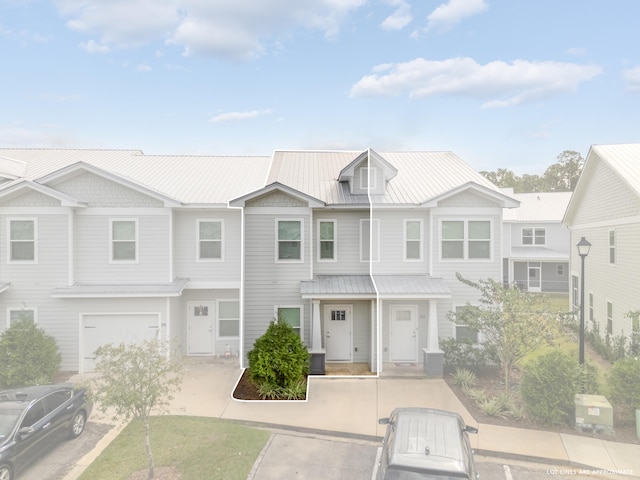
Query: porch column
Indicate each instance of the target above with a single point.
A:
(433, 360)
(316, 330)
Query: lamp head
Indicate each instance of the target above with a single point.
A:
(583, 247)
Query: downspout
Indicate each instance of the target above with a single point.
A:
(242, 286)
(378, 320)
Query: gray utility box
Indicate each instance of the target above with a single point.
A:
(593, 413)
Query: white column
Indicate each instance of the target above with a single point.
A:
(432, 329)
(316, 331)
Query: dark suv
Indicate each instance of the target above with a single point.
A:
(424, 443)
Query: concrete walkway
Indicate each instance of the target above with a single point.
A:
(352, 406)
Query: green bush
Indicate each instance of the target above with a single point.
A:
(279, 358)
(464, 378)
(549, 384)
(624, 385)
(463, 355)
(28, 355)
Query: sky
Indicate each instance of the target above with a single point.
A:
(502, 83)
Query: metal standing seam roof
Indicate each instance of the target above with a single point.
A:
(624, 159)
(173, 289)
(537, 254)
(396, 286)
(542, 207)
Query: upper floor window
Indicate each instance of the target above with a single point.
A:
(465, 333)
(609, 318)
(16, 314)
(209, 240)
(228, 318)
(289, 240)
(22, 240)
(413, 239)
(466, 239)
(124, 240)
(534, 236)
(612, 247)
(368, 178)
(292, 315)
(369, 235)
(591, 316)
(326, 240)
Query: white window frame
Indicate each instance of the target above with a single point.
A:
(533, 236)
(219, 318)
(367, 173)
(455, 325)
(136, 240)
(612, 246)
(560, 268)
(21, 309)
(591, 301)
(35, 239)
(465, 239)
(405, 240)
(334, 240)
(277, 245)
(374, 228)
(609, 318)
(199, 240)
(300, 329)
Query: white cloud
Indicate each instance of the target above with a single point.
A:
(94, 47)
(499, 83)
(632, 78)
(143, 68)
(235, 116)
(235, 29)
(446, 15)
(398, 19)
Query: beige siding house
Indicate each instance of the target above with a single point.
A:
(605, 209)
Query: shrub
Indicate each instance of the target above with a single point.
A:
(464, 378)
(279, 359)
(492, 407)
(463, 355)
(549, 384)
(28, 355)
(624, 385)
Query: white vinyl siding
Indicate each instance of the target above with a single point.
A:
(466, 240)
(23, 234)
(289, 240)
(124, 240)
(369, 240)
(210, 236)
(413, 240)
(228, 319)
(327, 240)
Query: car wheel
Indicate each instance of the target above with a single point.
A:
(77, 426)
(5, 472)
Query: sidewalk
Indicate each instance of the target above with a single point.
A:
(352, 406)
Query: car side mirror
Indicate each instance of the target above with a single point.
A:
(470, 429)
(383, 421)
(24, 431)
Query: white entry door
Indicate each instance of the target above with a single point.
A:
(535, 282)
(200, 325)
(403, 333)
(338, 327)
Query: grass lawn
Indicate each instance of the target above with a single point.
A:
(199, 447)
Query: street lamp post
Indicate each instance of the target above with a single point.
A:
(583, 250)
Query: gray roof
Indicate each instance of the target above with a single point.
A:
(363, 286)
(537, 253)
(543, 207)
(173, 289)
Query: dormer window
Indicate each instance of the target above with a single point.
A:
(369, 178)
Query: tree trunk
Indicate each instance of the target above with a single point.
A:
(147, 444)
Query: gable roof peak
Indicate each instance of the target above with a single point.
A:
(373, 158)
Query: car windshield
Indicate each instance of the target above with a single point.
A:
(9, 414)
(399, 474)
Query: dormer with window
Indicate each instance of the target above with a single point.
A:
(368, 174)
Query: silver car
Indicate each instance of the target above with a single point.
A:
(425, 443)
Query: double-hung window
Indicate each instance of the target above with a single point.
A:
(289, 240)
(292, 315)
(17, 314)
(326, 240)
(465, 333)
(610, 318)
(413, 240)
(124, 240)
(534, 236)
(465, 239)
(228, 318)
(612, 247)
(23, 233)
(210, 233)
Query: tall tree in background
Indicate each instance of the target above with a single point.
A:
(559, 177)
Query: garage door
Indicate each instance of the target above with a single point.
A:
(98, 330)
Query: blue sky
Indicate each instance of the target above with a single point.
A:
(504, 83)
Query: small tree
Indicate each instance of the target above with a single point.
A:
(513, 323)
(135, 380)
(28, 355)
(279, 358)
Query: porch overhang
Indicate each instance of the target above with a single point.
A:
(369, 287)
(79, 290)
(537, 254)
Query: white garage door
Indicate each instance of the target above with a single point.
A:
(98, 330)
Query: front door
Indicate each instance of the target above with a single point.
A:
(534, 277)
(200, 323)
(403, 333)
(338, 327)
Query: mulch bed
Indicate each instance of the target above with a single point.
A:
(246, 389)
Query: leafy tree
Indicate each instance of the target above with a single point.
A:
(503, 178)
(513, 323)
(28, 355)
(135, 380)
(563, 175)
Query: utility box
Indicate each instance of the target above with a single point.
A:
(317, 362)
(593, 413)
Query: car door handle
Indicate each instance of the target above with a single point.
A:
(70, 407)
(46, 425)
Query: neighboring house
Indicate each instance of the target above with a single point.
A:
(536, 244)
(605, 209)
(357, 250)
